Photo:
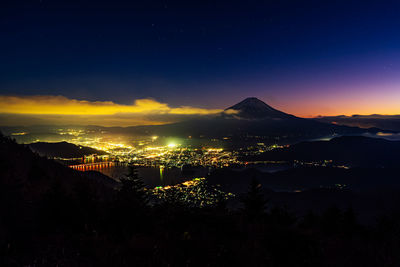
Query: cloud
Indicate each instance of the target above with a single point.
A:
(66, 106)
(63, 110)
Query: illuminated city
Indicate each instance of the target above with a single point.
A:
(200, 133)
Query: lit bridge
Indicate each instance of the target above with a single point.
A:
(93, 166)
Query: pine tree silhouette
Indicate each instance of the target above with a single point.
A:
(129, 211)
(133, 189)
(254, 201)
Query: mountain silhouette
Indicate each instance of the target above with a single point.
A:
(250, 118)
(253, 108)
(63, 150)
(350, 150)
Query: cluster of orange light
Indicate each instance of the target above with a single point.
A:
(92, 166)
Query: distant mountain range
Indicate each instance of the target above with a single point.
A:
(251, 118)
(386, 122)
(63, 150)
(357, 151)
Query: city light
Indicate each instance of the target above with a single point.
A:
(171, 145)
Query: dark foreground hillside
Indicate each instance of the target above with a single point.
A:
(54, 216)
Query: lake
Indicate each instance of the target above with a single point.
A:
(157, 176)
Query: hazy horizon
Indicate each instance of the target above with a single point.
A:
(59, 110)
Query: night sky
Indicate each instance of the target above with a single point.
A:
(307, 58)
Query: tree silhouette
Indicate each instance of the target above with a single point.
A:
(129, 210)
(133, 189)
(254, 201)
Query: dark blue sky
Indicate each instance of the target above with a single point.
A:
(206, 54)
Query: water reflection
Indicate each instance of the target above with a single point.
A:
(161, 173)
(157, 176)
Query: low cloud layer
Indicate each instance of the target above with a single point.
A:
(61, 105)
(28, 110)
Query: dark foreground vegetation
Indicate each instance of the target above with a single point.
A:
(54, 216)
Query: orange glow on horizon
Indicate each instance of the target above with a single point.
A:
(31, 110)
(318, 106)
